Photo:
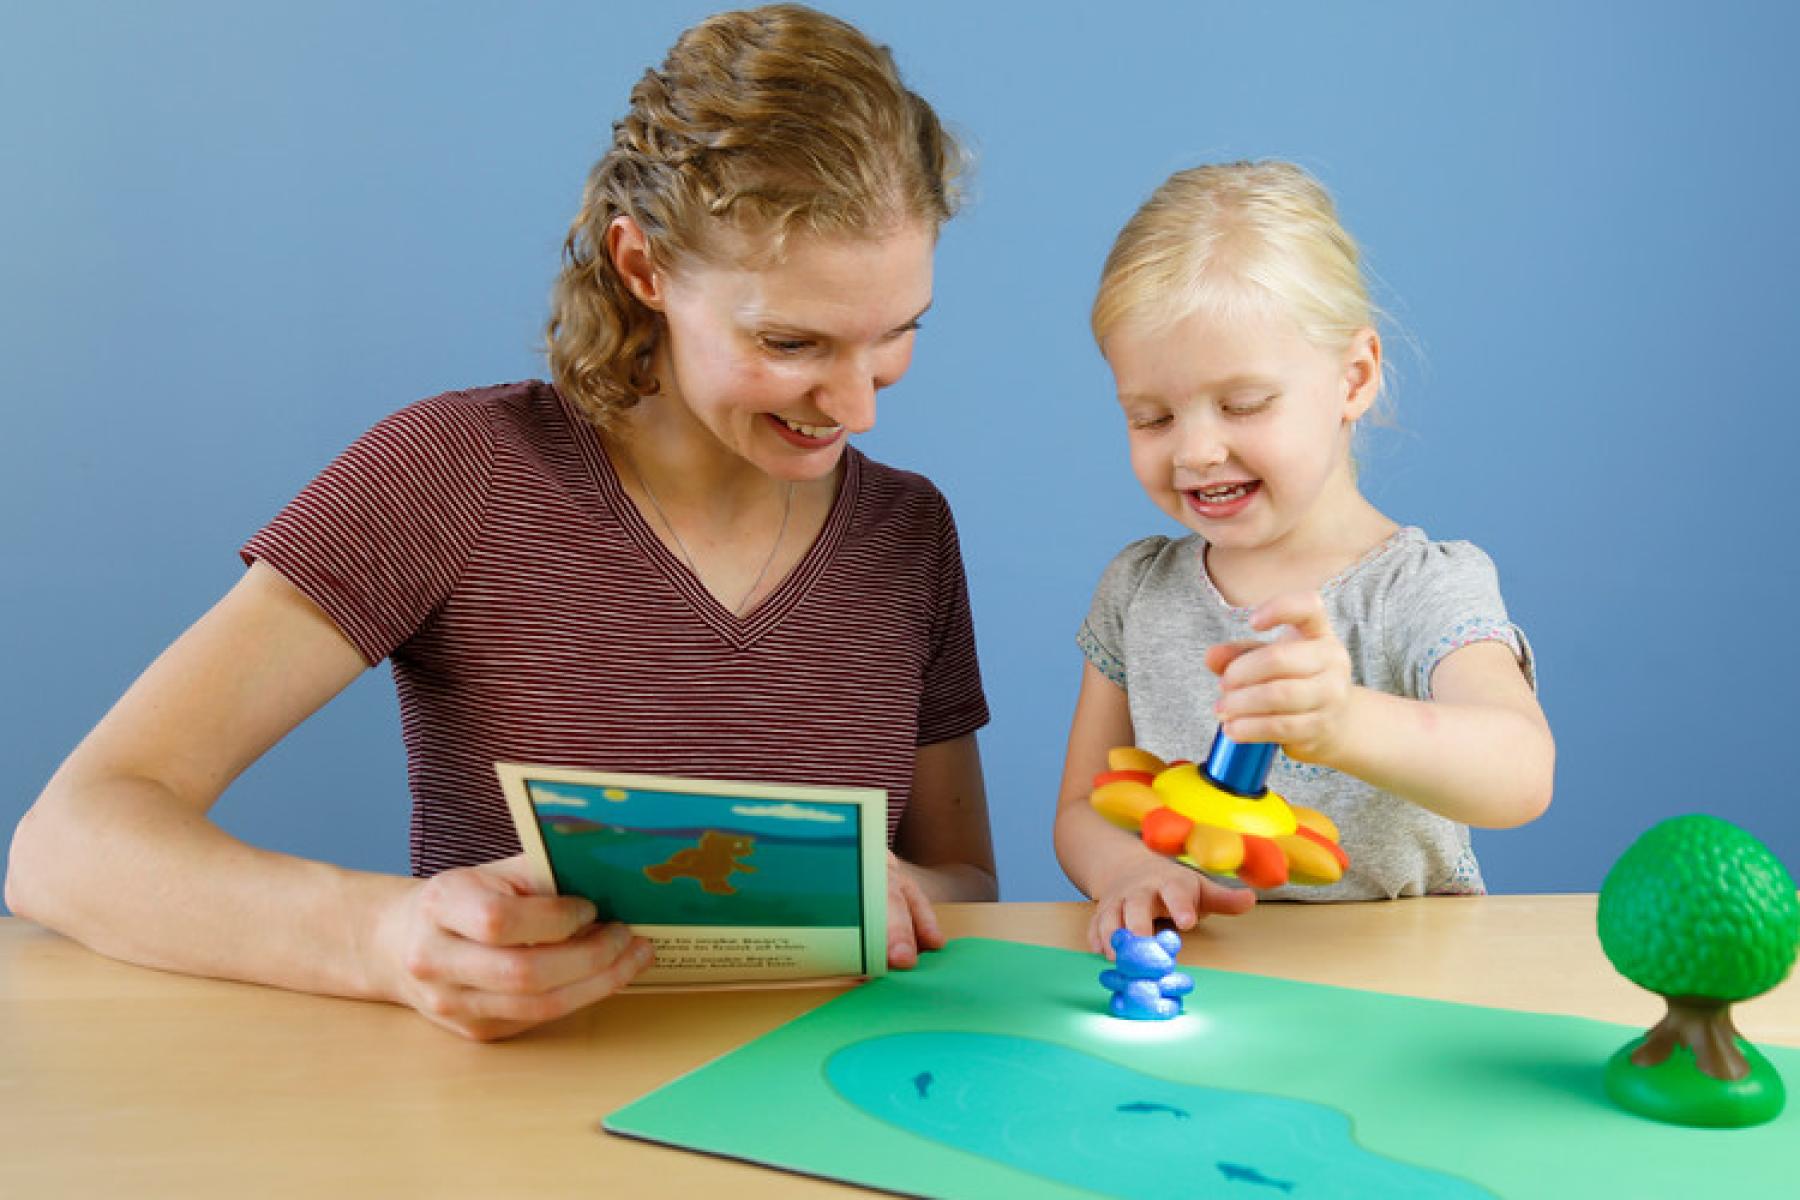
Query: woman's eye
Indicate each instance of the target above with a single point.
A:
(1151, 422)
(778, 345)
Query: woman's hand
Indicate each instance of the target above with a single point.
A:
(1294, 691)
(1147, 888)
(948, 849)
(478, 952)
(911, 925)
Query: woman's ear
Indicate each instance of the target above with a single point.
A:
(1362, 374)
(629, 251)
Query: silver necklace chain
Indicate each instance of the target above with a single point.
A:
(787, 507)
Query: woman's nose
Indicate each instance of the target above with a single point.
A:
(847, 395)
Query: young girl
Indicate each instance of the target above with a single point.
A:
(1235, 319)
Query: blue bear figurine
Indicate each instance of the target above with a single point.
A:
(1143, 980)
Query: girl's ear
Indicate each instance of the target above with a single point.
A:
(629, 251)
(1362, 374)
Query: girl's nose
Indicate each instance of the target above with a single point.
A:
(1201, 446)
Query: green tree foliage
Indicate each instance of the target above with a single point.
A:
(1699, 908)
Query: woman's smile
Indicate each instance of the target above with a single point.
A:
(807, 437)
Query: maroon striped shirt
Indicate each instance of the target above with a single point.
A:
(482, 542)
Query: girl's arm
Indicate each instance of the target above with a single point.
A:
(118, 851)
(1480, 752)
(943, 850)
(1131, 885)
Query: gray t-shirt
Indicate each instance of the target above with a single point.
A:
(1399, 611)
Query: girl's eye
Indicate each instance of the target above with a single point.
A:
(1158, 421)
(1246, 408)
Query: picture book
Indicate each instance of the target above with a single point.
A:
(735, 883)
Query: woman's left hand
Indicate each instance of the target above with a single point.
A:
(911, 925)
(1295, 690)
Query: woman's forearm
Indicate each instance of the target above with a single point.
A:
(956, 883)
(121, 866)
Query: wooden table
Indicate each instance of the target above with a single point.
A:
(117, 1080)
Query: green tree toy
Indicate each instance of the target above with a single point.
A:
(1700, 912)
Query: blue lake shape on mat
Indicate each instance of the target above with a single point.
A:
(1059, 1113)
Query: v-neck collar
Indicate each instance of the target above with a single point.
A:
(737, 631)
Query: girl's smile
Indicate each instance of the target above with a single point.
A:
(1239, 427)
(1220, 501)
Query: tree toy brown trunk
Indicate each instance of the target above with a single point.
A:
(1704, 1026)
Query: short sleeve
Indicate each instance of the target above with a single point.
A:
(379, 538)
(1102, 633)
(1447, 596)
(952, 702)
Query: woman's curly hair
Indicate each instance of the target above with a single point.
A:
(771, 120)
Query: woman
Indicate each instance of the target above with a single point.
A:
(668, 562)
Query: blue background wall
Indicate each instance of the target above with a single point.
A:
(233, 236)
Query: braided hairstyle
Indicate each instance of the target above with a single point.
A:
(768, 122)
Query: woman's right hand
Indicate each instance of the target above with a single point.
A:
(478, 952)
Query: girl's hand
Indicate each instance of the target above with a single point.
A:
(1295, 690)
(911, 924)
(1149, 888)
(478, 952)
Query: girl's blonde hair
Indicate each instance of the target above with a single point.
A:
(767, 122)
(1237, 239)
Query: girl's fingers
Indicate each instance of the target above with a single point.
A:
(1304, 612)
(1181, 901)
(1227, 901)
(1223, 654)
(1100, 929)
(1282, 731)
(1278, 697)
(1178, 901)
(1281, 660)
(1142, 909)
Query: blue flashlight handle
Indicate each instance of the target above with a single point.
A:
(1241, 768)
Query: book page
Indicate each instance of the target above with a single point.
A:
(735, 883)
